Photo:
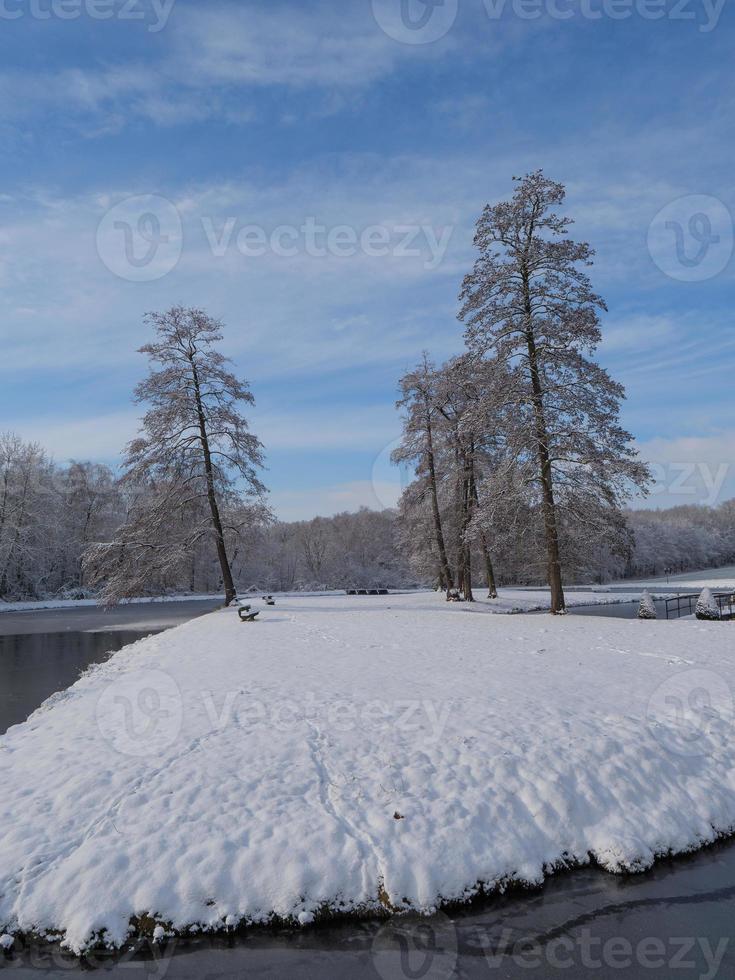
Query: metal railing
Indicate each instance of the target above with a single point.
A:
(685, 605)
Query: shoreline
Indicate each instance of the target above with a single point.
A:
(145, 926)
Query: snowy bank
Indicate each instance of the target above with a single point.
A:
(718, 579)
(39, 605)
(510, 600)
(356, 754)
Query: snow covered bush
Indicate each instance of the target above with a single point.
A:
(647, 607)
(707, 607)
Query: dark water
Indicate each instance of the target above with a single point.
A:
(616, 610)
(34, 666)
(137, 616)
(44, 651)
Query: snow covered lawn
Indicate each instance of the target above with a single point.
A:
(510, 600)
(353, 754)
(719, 579)
(39, 605)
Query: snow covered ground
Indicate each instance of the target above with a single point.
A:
(38, 605)
(531, 600)
(353, 754)
(720, 579)
(511, 600)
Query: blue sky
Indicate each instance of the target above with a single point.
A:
(236, 126)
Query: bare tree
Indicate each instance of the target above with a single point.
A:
(314, 547)
(88, 496)
(195, 447)
(418, 400)
(529, 304)
(469, 431)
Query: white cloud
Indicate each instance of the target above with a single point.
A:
(327, 428)
(281, 45)
(690, 469)
(100, 438)
(637, 332)
(214, 61)
(284, 314)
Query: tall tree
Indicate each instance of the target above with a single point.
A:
(194, 449)
(418, 402)
(529, 304)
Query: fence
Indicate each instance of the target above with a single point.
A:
(685, 605)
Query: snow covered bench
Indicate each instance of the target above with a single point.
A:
(245, 611)
(247, 614)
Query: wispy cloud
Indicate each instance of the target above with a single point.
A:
(269, 114)
(101, 437)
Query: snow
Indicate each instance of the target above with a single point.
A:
(38, 605)
(719, 579)
(512, 600)
(352, 754)
(532, 600)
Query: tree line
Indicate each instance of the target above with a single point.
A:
(51, 514)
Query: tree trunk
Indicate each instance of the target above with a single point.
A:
(438, 532)
(542, 440)
(492, 590)
(547, 490)
(466, 552)
(465, 514)
(219, 537)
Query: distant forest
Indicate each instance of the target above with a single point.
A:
(51, 515)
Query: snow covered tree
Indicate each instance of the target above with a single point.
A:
(529, 305)
(707, 607)
(449, 441)
(418, 401)
(87, 508)
(195, 452)
(459, 391)
(647, 607)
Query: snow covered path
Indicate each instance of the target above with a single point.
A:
(347, 752)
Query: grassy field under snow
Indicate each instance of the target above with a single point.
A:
(355, 754)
